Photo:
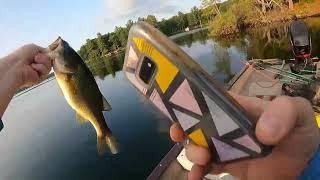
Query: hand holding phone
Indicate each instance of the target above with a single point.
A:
(185, 93)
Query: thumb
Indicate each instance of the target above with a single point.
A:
(280, 117)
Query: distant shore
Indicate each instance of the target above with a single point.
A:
(184, 33)
(179, 34)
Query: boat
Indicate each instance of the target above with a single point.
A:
(265, 79)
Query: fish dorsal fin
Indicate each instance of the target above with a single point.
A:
(106, 105)
(80, 119)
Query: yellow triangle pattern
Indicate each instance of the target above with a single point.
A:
(318, 119)
(198, 138)
(166, 71)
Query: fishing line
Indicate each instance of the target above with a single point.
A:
(297, 75)
(304, 81)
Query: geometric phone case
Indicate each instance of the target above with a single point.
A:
(175, 94)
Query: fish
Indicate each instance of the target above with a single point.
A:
(82, 93)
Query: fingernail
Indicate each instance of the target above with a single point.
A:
(270, 125)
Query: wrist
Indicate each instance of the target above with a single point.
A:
(10, 70)
(6, 64)
(8, 60)
(13, 76)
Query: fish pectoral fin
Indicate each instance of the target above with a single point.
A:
(80, 119)
(106, 105)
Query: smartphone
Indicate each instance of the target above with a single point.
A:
(179, 88)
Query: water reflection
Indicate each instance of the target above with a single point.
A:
(222, 65)
(106, 66)
(219, 58)
(223, 58)
(188, 40)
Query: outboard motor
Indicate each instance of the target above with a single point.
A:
(300, 40)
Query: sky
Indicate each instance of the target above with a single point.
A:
(42, 21)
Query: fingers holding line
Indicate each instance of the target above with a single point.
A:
(43, 59)
(42, 65)
(41, 69)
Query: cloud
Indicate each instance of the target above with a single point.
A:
(118, 12)
(121, 7)
(134, 8)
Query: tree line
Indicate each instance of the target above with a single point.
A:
(106, 45)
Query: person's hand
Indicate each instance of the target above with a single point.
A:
(287, 123)
(29, 65)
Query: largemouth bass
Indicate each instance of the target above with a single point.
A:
(81, 92)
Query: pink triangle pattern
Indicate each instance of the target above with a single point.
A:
(185, 120)
(135, 82)
(132, 59)
(227, 152)
(184, 97)
(156, 99)
(247, 142)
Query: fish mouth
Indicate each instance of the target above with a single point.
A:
(56, 44)
(52, 48)
(58, 51)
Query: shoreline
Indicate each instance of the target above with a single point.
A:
(178, 35)
(258, 24)
(184, 33)
(301, 10)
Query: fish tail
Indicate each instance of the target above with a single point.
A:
(112, 144)
(107, 142)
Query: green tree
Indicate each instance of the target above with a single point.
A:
(102, 44)
(182, 20)
(93, 50)
(122, 35)
(90, 45)
(208, 14)
(152, 20)
(114, 40)
(84, 54)
(194, 17)
(105, 44)
(129, 24)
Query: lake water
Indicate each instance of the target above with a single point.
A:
(42, 140)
